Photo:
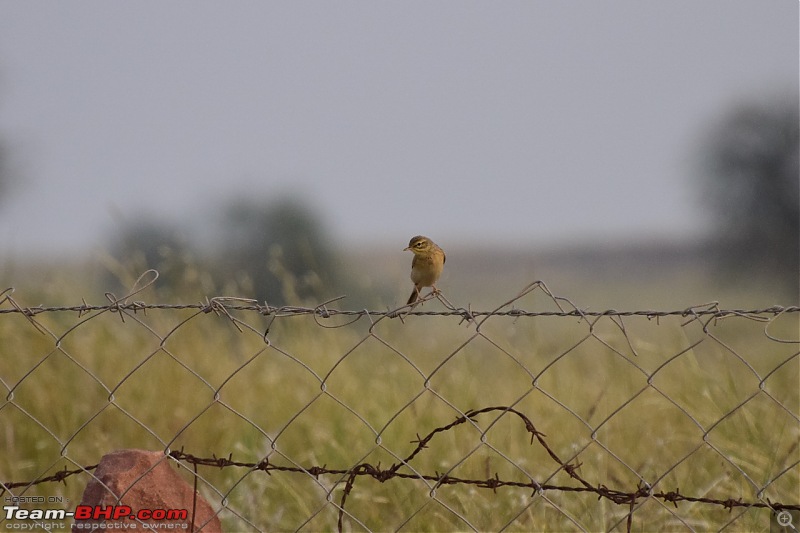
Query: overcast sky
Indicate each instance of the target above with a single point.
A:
(519, 122)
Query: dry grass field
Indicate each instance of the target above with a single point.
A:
(706, 407)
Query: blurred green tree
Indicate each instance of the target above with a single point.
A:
(278, 252)
(8, 175)
(5, 177)
(151, 243)
(753, 189)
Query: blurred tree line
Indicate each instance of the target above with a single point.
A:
(278, 252)
(751, 172)
(6, 174)
(281, 250)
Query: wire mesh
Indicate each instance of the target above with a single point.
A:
(536, 415)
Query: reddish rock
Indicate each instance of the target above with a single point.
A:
(142, 481)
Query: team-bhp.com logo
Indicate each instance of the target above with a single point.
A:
(95, 517)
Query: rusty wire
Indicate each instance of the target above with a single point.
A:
(617, 496)
(347, 476)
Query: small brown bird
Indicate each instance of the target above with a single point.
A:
(427, 264)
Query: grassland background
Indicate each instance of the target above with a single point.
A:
(112, 384)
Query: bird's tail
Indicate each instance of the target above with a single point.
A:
(413, 297)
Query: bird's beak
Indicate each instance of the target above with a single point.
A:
(406, 248)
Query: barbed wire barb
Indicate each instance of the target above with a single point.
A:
(544, 413)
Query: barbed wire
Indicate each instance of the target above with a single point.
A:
(346, 476)
(617, 496)
(226, 303)
(349, 475)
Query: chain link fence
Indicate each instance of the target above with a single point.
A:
(535, 416)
